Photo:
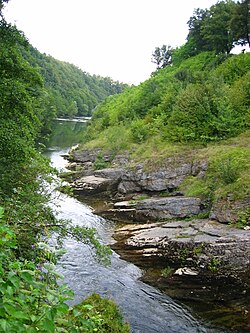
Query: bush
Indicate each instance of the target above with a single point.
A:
(96, 314)
(139, 130)
(31, 300)
(226, 168)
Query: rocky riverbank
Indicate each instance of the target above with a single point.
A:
(187, 247)
(171, 221)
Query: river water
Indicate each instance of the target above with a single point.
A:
(145, 308)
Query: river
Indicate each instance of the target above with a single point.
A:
(145, 308)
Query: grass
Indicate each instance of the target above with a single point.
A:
(227, 175)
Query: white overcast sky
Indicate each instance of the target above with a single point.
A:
(112, 38)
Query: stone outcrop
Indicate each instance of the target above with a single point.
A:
(227, 211)
(168, 208)
(165, 178)
(153, 209)
(93, 185)
(198, 243)
(121, 181)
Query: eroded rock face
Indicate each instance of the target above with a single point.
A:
(154, 209)
(84, 156)
(111, 173)
(92, 185)
(165, 178)
(168, 208)
(226, 211)
(198, 243)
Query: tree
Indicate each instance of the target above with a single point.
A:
(195, 38)
(240, 23)
(216, 30)
(162, 57)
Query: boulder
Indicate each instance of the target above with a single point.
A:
(83, 156)
(227, 211)
(167, 208)
(111, 173)
(92, 185)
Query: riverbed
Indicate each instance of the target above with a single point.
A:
(145, 308)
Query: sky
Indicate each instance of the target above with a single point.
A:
(114, 38)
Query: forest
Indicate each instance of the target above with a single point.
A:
(70, 91)
(199, 96)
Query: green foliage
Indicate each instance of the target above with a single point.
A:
(96, 314)
(214, 264)
(167, 272)
(243, 220)
(70, 91)
(203, 99)
(162, 57)
(227, 176)
(139, 130)
(218, 28)
(19, 115)
(240, 23)
(100, 163)
(227, 167)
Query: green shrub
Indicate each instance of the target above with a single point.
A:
(167, 272)
(96, 314)
(139, 130)
(100, 163)
(227, 167)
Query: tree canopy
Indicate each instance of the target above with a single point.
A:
(70, 91)
(240, 23)
(217, 29)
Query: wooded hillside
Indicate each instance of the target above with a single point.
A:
(71, 91)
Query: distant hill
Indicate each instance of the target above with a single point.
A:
(71, 91)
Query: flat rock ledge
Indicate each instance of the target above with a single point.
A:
(153, 209)
(200, 244)
(93, 185)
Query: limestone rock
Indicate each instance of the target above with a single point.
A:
(111, 173)
(185, 271)
(168, 208)
(92, 185)
(198, 243)
(226, 211)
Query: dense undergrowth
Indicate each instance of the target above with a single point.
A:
(199, 108)
(203, 99)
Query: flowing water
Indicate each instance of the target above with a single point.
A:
(145, 308)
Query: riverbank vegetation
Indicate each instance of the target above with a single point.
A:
(197, 103)
(31, 299)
